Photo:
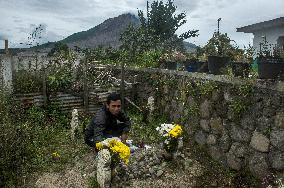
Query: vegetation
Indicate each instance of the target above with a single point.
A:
(60, 49)
(27, 81)
(156, 34)
(161, 22)
(219, 45)
(34, 139)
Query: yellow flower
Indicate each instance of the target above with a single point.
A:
(175, 132)
(121, 149)
(99, 145)
(55, 155)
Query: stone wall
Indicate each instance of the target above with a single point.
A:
(239, 122)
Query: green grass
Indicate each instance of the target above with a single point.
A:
(30, 135)
(144, 132)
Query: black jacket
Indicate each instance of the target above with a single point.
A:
(104, 124)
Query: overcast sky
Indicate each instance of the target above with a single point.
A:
(61, 18)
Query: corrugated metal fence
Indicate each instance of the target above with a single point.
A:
(66, 101)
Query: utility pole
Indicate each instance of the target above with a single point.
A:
(219, 19)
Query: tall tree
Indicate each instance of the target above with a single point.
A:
(161, 23)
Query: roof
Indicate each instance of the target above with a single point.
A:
(262, 25)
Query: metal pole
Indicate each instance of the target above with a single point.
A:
(219, 19)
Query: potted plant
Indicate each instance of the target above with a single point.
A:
(196, 62)
(219, 51)
(242, 60)
(270, 63)
(172, 61)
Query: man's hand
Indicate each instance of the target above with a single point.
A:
(124, 137)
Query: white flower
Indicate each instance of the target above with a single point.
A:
(167, 141)
(164, 129)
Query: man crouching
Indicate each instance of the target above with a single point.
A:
(108, 122)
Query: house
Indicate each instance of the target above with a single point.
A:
(271, 31)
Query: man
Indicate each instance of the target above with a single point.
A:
(108, 122)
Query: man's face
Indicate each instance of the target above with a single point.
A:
(114, 107)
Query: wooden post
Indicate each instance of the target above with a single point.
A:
(85, 85)
(122, 88)
(44, 88)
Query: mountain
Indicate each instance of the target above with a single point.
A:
(189, 47)
(105, 34)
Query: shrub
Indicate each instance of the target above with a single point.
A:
(25, 81)
(16, 151)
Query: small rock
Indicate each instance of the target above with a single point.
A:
(204, 124)
(159, 173)
(211, 139)
(164, 164)
(214, 183)
(260, 142)
(151, 170)
(131, 176)
(141, 164)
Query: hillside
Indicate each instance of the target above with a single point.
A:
(105, 34)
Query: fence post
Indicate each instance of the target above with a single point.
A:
(85, 85)
(44, 87)
(122, 88)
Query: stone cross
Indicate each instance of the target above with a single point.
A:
(150, 107)
(74, 123)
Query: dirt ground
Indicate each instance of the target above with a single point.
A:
(199, 171)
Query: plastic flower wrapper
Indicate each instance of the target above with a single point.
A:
(171, 134)
(116, 147)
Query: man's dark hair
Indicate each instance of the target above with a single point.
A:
(113, 97)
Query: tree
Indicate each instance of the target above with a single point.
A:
(158, 29)
(60, 49)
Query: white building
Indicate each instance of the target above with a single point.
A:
(272, 31)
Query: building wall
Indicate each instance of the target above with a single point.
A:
(272, 34)
(29, 62)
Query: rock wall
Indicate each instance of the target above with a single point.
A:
(239, 122)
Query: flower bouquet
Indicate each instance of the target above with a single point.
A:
(172, 136)
(118, 150)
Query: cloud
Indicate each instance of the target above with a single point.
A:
(65, 17)
(3, 37)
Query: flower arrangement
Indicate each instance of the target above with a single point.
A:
(171, 133)
(118, 149)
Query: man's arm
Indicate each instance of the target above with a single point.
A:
(94, 132)
(89, 134)
(126, 127)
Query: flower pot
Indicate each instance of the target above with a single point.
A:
(196, 66)
(271, 68)
(216, 64)
(170, 65)
(241, 69)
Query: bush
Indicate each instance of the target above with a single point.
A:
(25, 81)
(142, 132)
(29, 139)
(16, 151)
